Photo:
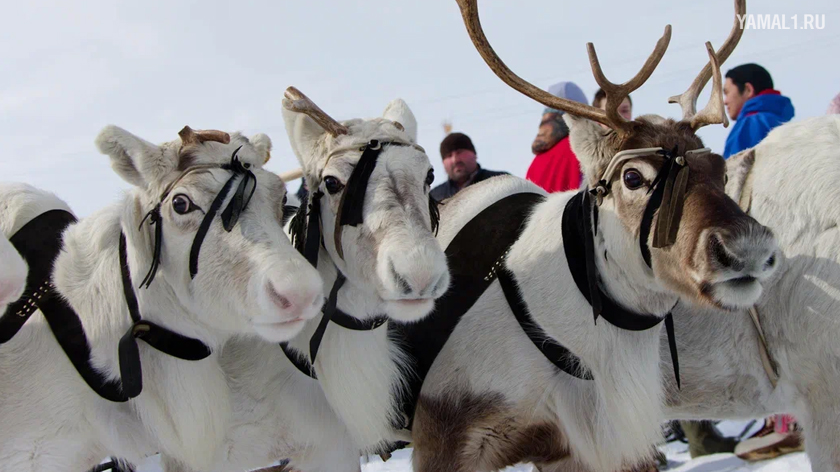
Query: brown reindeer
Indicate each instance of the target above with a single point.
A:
(657, 228)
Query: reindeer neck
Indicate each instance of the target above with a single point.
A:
(539, 259)
(87, 274)
(622, 272)
(355, 298)
(350, 362)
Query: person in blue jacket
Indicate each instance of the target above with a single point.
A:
(754, 105)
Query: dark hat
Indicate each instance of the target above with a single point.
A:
(454, 142)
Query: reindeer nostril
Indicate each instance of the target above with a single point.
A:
(278, 299)
(405, 287)
(770, 262)
(284, 302)
(721, 255)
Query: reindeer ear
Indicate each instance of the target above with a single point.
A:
(398, 111)
(304, 134)
(262, 144)
(136, 160)
(589, 142)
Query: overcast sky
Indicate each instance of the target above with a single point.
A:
(70, 68)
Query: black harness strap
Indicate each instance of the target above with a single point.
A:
(231, 214)
(160, 338)
(355, 324)
(37, 244)
(577, 230)
(350, 213)
(555, 352)
(471, 269)
(330, 313)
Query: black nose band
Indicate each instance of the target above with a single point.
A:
(352, 204)
(668, 197)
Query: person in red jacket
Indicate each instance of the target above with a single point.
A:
(555, 167)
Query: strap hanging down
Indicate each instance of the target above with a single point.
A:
(160, 338)
(330, 313)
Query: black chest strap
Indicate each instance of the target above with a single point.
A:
(156, 336)
(330, 313)
(473, 268)
(555, 352)
(39, 243)
(579, 217)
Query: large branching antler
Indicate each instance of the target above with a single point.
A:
(296, 101)
(615, 93)
(714, 112)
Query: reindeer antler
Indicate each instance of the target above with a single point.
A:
(615, 93)
(290, 175)
(296, 101)
(714, 112)
(191, 136)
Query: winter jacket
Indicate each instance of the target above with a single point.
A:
(557, 169)
(759, 115)
(450, 188)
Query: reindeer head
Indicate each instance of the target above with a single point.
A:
(660, 193)
(215, 243)
(371, 182)
(12, 274)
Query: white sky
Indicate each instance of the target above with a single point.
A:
(69, 68)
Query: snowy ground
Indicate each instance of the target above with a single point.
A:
(678, 460)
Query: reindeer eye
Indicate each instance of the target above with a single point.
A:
(285, 199)
(182, 204)
(430, 177)
(333, 185)
(633, 179)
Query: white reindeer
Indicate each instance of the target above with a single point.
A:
(491, 399)
(244, 280)
(12, 274)
(393, 266)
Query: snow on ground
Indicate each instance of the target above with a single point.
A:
(679, 459)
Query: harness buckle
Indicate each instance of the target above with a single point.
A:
(140, 328)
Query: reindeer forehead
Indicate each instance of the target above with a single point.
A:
(211, 152)
(664, 133)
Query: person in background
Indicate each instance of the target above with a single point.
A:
(555, 167)
(834, 106)
(754, 104)
(460, 163)
(625, 109)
